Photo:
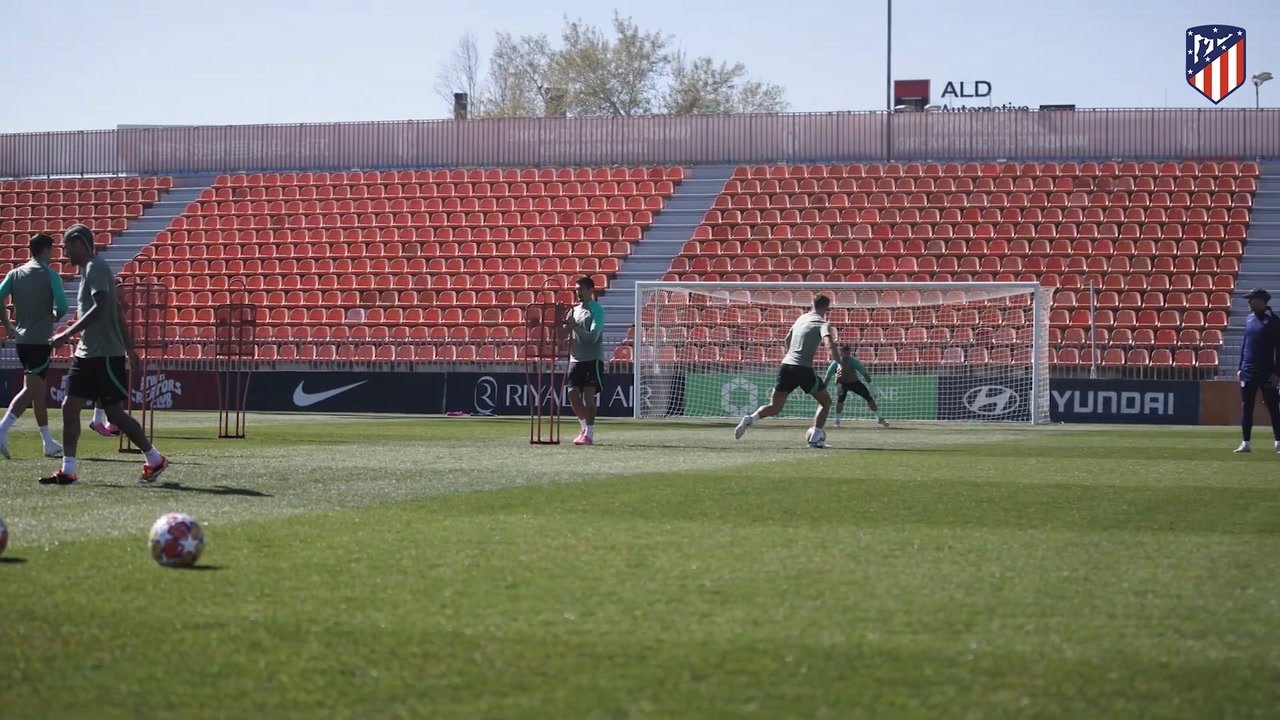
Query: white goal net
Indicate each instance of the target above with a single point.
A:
(934, 351)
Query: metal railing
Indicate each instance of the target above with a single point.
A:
(347, 357)
(703, 139)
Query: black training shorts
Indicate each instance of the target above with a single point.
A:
(35, 359)
(586, 374)
(100, 379)
(857, 388)
(794, 377)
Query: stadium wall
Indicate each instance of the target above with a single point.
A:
(506, 393)
(1136, 134)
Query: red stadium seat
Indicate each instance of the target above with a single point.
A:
(1160, 242)
(380, 235)
(1136, 357)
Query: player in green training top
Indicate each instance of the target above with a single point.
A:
(586, 359)
(808, 333)
(98, 370)
(850, 368)
(38, 302)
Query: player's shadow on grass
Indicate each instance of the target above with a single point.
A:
(214, 490)
(179, 487)
(13, 561)
(130, 459)
(770, 448)
(891, 448)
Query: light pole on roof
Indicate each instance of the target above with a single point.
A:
(1257, 84)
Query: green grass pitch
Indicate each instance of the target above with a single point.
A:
(395, 567)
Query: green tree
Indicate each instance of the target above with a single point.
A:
(703, 86)
(623, 71)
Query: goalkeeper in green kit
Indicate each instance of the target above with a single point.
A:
(850, 382)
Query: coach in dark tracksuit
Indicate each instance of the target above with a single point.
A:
(1259, 365)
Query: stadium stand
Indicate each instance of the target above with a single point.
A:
(427, 265)
(1159, 244)
(436, 265)
(48, 206)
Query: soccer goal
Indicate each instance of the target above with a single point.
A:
(975, 351)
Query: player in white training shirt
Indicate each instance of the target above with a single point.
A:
(808, 333)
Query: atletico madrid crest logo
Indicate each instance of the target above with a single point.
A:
(1215, 60)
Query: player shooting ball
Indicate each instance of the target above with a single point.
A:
(586, 358)
(847, 370)
(809, 332)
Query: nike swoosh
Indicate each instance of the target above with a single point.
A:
(302, 398)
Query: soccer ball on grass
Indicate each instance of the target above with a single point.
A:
(816, 437)
(176, 540)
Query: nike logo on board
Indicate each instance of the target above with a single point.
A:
(302, 398)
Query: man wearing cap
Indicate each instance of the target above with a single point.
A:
(1259, 366)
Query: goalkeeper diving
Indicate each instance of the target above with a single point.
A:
(847, 370)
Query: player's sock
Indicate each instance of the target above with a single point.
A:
(837, 421)
(753, 418)
(8, 421)
(51, 446)
(590, 431)
(152, 455)
(99, 416)
(582, 424)
(69, 465)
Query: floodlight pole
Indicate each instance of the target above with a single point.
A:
(888, 82)
(888, 59)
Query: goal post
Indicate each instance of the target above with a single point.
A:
(935, 351)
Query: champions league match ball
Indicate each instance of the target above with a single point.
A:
(815, 436)
(176, 540)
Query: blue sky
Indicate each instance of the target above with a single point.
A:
(80, 64)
